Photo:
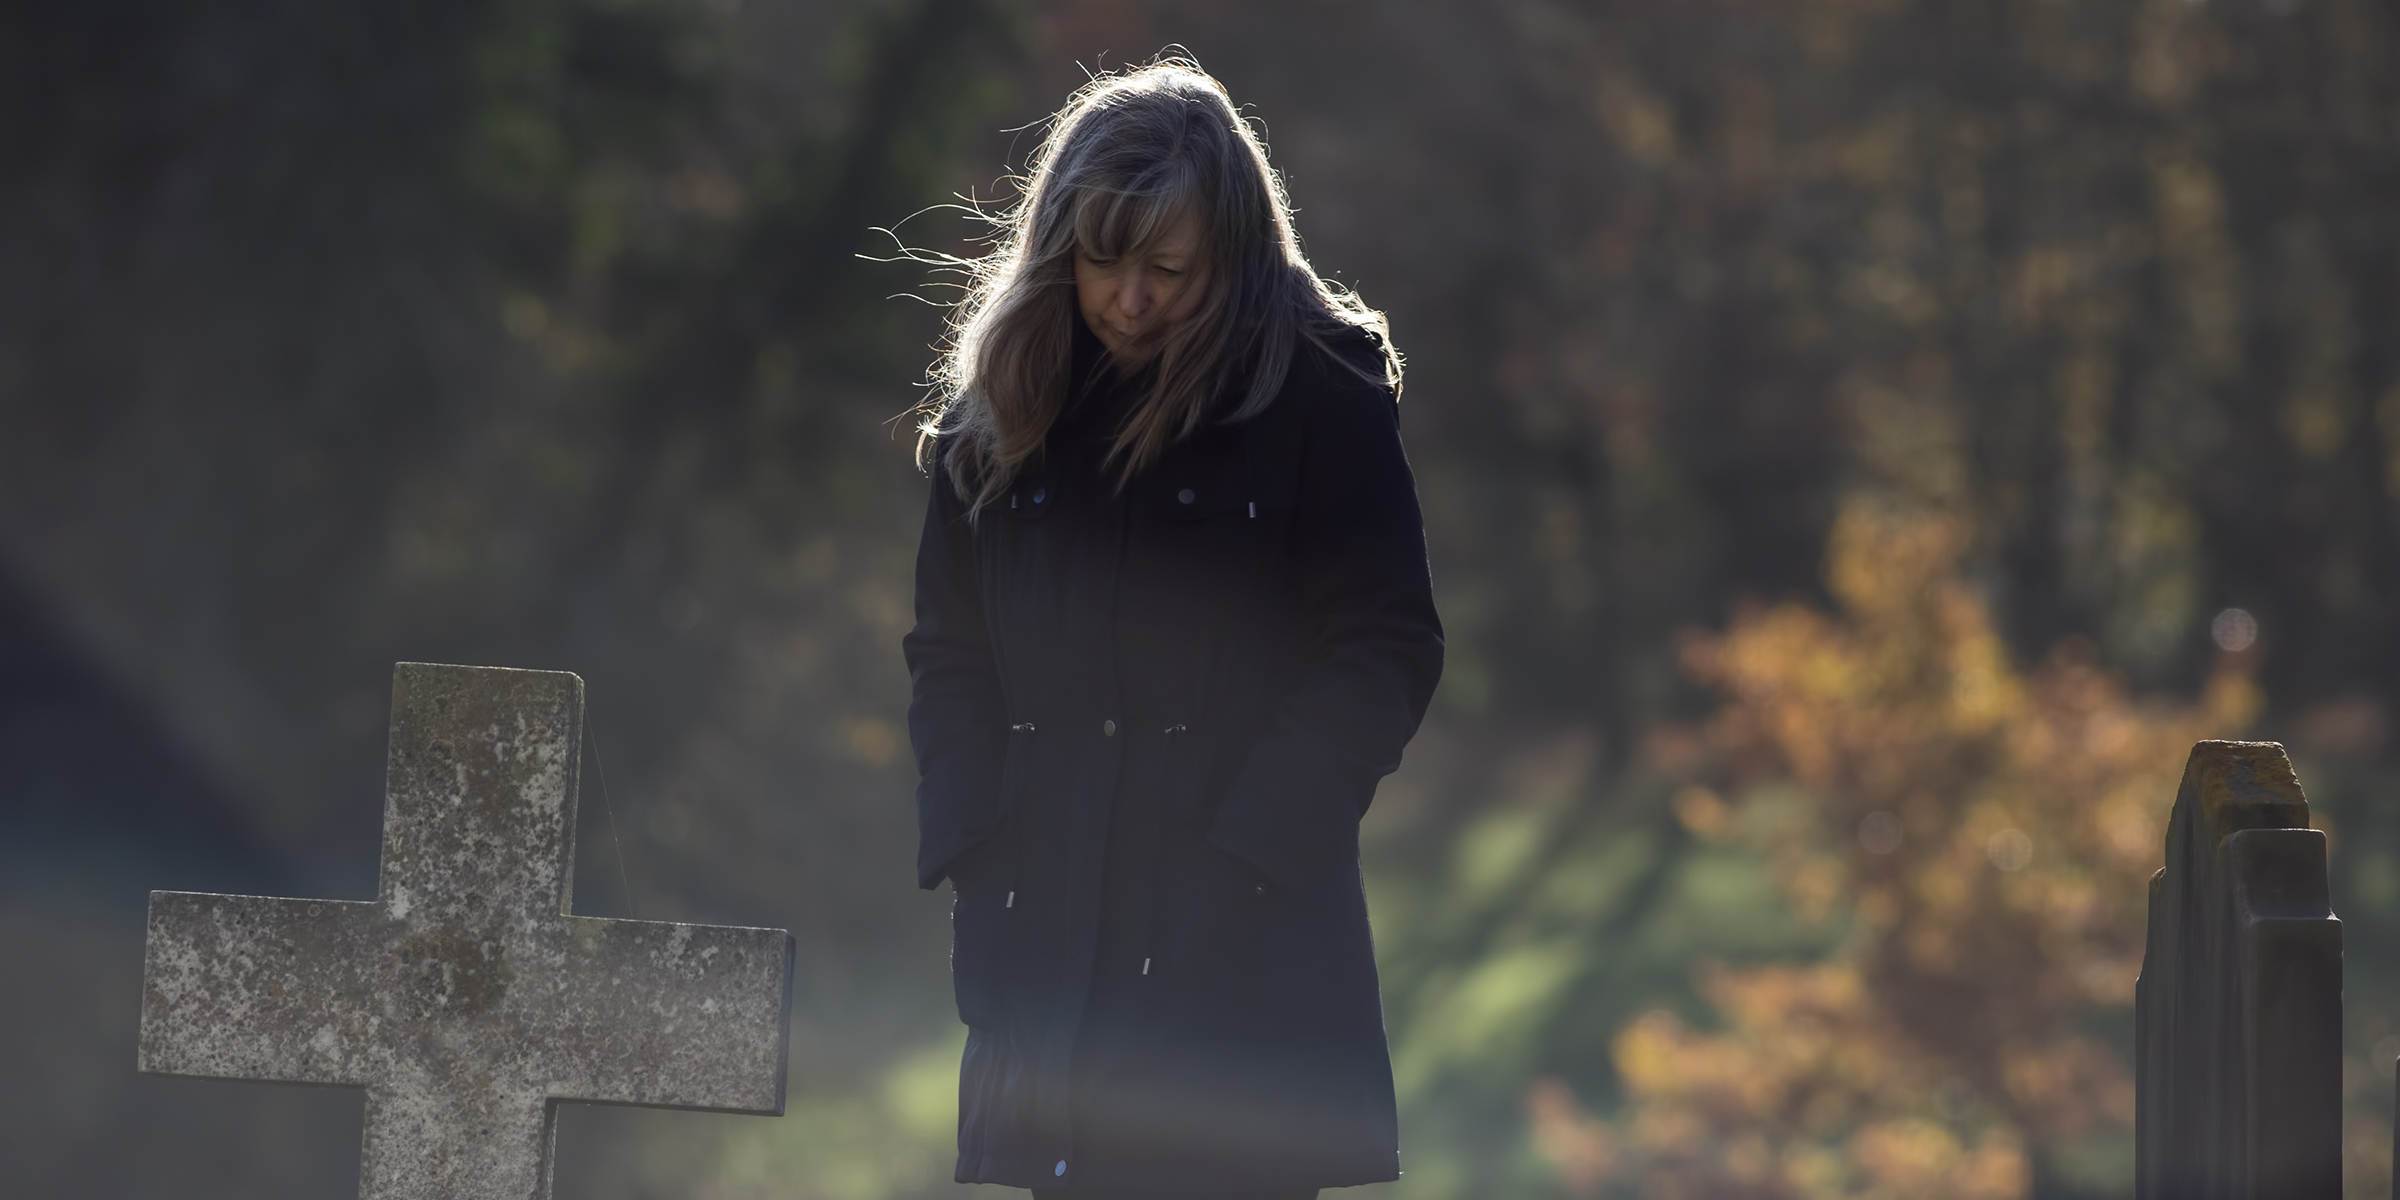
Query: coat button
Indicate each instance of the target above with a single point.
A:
(1108, 729)
(1059, 1170)
(1258, 889)
(1040, 494)
(1186, 496)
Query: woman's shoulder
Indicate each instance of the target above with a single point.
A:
(1354, 349)
(1341, 373)
(947, 457)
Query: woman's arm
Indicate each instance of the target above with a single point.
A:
(957, 716)
(1358, 545)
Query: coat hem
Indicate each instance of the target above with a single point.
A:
(992, 1169)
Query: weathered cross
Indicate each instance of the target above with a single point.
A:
(465, 998)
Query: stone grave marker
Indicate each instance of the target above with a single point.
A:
(465, 998)
(2238, 1014)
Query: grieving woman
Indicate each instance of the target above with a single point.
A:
(1172, 625)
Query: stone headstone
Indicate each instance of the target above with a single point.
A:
(2238, 1014)
(465, 998)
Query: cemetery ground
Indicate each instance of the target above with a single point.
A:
(1873, 933)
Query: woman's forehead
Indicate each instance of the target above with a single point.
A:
(1118, 223)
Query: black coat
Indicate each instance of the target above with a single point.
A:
(1148, 722)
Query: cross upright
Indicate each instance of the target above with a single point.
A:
(465, 998)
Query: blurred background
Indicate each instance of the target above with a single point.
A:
(1864, 443)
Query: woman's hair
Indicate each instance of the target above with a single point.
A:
(1130, 156)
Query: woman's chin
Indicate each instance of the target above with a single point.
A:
(1135, 351)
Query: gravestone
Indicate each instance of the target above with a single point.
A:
(465, 998)
(2238, 1014)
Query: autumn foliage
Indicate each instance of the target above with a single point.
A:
(1985, 831)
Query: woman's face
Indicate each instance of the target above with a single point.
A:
(1132, 302)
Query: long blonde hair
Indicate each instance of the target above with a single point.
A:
(1128, 158)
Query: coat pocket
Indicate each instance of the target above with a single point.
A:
(985, 880)
(978, 948)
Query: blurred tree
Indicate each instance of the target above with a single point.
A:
(1972, 845)
(2003, 830)
(2114, 279)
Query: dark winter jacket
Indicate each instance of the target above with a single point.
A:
(1148, 722)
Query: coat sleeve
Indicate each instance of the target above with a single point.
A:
(1375, 649)
(957, 716)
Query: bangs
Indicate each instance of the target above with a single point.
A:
(1109, 223)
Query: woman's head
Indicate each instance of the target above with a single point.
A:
(1152, 216)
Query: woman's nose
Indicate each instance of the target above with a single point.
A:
(1133, 297)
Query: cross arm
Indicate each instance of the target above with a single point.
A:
(259, 988)
(674, 1016)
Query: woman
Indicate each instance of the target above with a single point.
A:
(1173, 624)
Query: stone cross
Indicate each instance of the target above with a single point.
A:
(465, 998)
(2238, 1013)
